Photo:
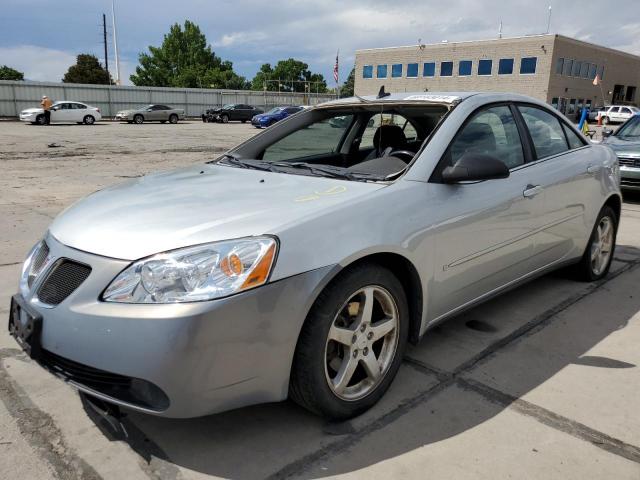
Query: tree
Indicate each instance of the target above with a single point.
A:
(185, 60)
(8, 73)
(288, 75)
(87, 70)
(347, 88)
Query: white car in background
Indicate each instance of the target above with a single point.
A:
(617, 113)
(63, 112)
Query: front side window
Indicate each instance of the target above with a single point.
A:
(429, 69)
(367, 71)
(505, 66)
(528, 65)
(320, 138)
(484, 67)
(396, 70)
(545, 130)
(446, 69)
(381, 71)
(493, 132)
(464, 68)
(572, 137)
(412, 70)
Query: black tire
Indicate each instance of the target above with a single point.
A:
(309, 385)
(138, 119)
(129, 122)
(243, 121)
(204, 119)
(584, 270)
(173, 118)
(41, 120)
(88, 120)
(163, 121)
(224, 118)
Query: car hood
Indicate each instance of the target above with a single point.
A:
(32, 110)
(261, 116)
(195, 205)
(624, 147)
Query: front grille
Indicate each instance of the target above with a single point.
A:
(38, 262)
(127, 389)
(64, 277)
(629, 162)
(630, 182)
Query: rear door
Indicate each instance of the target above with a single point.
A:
(561, 169)
(486, 238)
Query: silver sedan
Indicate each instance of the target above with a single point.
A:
(303, 261)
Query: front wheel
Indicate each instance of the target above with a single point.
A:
(138, 119)
(88, 120)
(41, 120)
(352, 343)
(173, 119)
(596, 260)
(224, 119)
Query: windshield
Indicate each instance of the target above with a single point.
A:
(228, 106)
(274, 110)
(631, 129)
(363, 142)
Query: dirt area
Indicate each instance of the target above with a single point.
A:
(542, 382)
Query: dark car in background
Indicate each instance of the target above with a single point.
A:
(626, 143)
(232, 112)
(274, 115)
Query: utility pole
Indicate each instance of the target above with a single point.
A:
(104, 38)
(115, 41)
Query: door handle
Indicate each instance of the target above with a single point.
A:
(531, 191)
(592, 169)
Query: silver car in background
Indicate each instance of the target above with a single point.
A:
(301, 262)
(151, 113)
(626, 143)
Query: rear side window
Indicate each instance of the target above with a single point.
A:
(490, 132)
(572, 137)
(545, 130)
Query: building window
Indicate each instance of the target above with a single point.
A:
(587, 103)
(568, 65)
(601, 72)
(412, 70)
(381, 71)
(484, 67)
(446, 69)
(592, 71)
(572, 106)
(528, 65)
(505, 66)
(464, 68)
(396, 70)
(367, 71)
(584, 71)
(429, 69)
(554, 102)
(576, 69)
(559, 66)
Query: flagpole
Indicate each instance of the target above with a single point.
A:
(338, 74)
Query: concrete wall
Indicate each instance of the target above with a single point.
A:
(16, 96)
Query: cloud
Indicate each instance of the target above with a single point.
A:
(37, 63)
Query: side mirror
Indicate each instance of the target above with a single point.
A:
(475, 167)
(607, 132)
(55, 109)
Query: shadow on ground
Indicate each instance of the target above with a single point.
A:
(283, 440)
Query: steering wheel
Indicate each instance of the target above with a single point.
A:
(408, 154)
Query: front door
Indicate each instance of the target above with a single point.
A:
(62, 113)
(487, 239)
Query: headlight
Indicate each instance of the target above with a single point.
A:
(193, 274)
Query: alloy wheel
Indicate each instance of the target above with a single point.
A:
(602, 246)
(362, 343)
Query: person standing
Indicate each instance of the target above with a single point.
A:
(46, 106)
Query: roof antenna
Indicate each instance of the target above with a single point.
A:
(382, 93)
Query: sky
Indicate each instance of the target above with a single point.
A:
(42, 37)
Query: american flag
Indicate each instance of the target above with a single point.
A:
(335, 69)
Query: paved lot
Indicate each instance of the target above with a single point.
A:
(541, 383)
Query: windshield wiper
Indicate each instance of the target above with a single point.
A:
(231, 159)
(326, 170)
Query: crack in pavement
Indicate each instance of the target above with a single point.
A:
(39, 429)
(447, 379)
(553, 420)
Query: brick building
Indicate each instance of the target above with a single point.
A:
(553, 68)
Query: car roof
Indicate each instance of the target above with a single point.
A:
(436, 98)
